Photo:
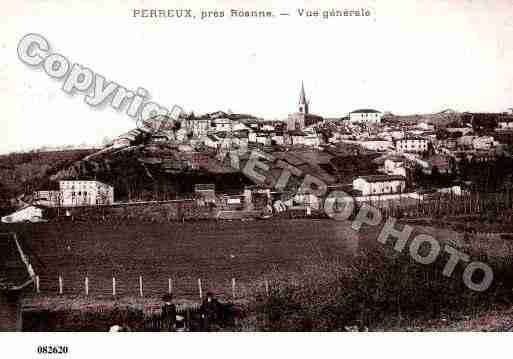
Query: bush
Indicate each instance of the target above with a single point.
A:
(379, 291)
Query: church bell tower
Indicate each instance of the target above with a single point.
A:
(303, 103)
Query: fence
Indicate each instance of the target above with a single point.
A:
(230, 291)
(447, 205)
(94, 313)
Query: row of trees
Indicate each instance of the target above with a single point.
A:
(486, 176)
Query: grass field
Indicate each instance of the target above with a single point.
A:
(216, 252)
(322, 274)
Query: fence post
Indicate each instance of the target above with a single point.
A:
(140, 286)
(86, 286)
(60, 285)
(233, 288)
(266, 287)
(200, 289)
(37, 284)
(113, 286)
(170, 286)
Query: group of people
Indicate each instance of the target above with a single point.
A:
(210, 313)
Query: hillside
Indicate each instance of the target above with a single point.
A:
(140, 168)
(442, 118)
(25, 172)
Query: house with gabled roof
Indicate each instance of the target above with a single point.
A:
(365, 115)
(379, 184)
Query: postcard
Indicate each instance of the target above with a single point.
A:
(208, 168)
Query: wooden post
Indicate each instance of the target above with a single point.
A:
(60, 285)
(266, 287)
(170, 286)
(86, 286)
(141, 287)
(113, 286)
(200, 289)
(37, 284)
(233, 288)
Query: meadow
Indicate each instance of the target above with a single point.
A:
(215, 252)
(321, 275)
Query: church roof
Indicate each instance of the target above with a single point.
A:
(302, 95)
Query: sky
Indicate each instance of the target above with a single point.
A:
(407, 57)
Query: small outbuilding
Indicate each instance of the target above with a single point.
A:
(16, 274)
(379, 184)
(30, 213)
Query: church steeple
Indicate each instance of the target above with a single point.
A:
(303, 103)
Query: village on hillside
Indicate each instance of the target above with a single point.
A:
(398, 161)
(169, 207)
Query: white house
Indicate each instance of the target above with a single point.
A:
(206, 190)
(505, 125)
(376, 144)
(212, 141)
(85, 193)
(29, 213)
(312, 139)
(412, 144)
(304, 199)
(379, 184)
(47, 198)
(466, 141)
(222, 140)
(424, 126)
(225, 124)
(396, 134)
(199, 127)
(483, 143)
(296, 137)
(365, 115)
(395, 166)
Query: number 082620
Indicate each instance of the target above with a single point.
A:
(52, 349)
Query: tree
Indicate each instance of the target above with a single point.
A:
(106, 141)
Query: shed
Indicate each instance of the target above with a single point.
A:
(16, 274)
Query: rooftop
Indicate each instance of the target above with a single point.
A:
(417, 138)
(366, 110)
(14, 267)
(382, 178)
(204, 187)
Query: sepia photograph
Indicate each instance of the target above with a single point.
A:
(227, 166)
